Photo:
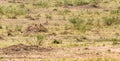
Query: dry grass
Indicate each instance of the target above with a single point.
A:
(69, 24)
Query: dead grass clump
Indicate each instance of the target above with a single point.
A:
(36, 28)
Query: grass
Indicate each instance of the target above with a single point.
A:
(75, 2)
(48, 16)
(12, 11)
(111, 20)
(40, 39)
(42, 4)
(89, 59)
(80, 24)
(94, 19)
(68, 59)
(81, 2)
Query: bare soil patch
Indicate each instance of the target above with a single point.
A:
(88, 7)
(36, 52)
(23, 49)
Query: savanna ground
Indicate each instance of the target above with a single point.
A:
(59, 30)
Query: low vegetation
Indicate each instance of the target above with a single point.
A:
(67, 28)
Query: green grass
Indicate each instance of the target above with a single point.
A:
(42, 4)
(80, 24)
(111, 20)
(12, 11)
(40, 39)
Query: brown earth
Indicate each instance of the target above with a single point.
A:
(31, 52)
(23, 49)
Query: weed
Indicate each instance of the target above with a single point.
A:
(40, 39)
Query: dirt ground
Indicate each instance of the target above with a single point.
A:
(51, 26)
(34, 52)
